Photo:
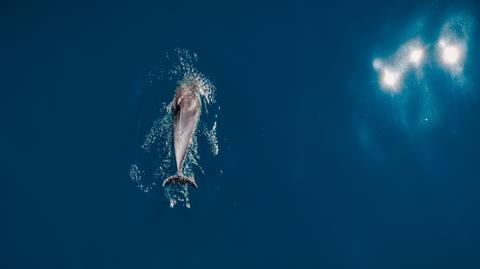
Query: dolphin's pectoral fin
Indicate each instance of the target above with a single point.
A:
(179, 179)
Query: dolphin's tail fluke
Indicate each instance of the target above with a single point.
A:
(180, 179)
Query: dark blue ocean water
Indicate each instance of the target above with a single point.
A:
(320, 167)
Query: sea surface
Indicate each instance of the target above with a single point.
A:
(306, 155)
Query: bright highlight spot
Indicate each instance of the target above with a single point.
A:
(450, 54)
(393, 70)
(416, 56)
(390, 79)
(377, 64)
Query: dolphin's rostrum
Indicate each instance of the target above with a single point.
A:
(185, 107)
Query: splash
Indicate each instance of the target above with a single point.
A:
(177, 194)
(154, 157)
(211, 135)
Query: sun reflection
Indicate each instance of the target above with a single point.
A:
(450, 53)
(416, 56)
(390, 80)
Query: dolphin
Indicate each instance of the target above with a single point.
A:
(186, 108)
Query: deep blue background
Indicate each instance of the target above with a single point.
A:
(298, 191)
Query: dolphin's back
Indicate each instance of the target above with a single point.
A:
(186, 110)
